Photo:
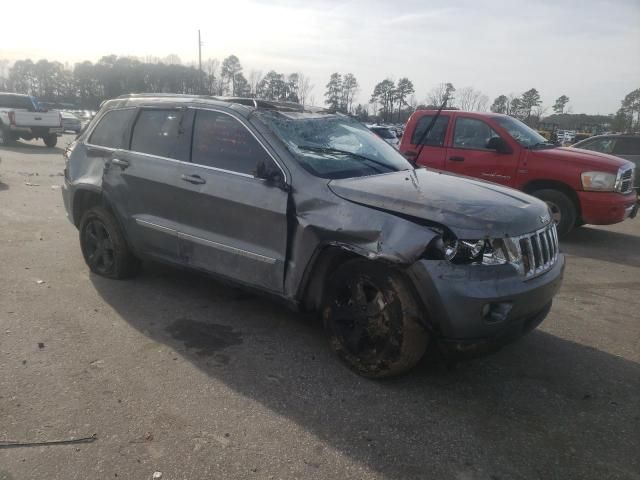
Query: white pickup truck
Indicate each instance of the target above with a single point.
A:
(22, 117)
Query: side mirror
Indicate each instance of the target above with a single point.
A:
(499, 145)
(271, 175)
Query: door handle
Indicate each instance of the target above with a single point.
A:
(120, 163)
(195, 179)
(456, 159)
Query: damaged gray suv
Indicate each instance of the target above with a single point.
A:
(314, 208)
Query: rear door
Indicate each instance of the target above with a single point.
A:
(469, 155)
(434, 150)
(230, 222)
(141, 181)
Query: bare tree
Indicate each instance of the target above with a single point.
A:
(437, 94)
(254, 79)
(211, 81)
(471, 100)
(172, 59)
(304, 88)
(537, 112)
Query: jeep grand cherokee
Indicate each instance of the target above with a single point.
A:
(314, 208)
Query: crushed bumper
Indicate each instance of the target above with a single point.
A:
(477, 308)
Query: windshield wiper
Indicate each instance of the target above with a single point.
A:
(542, 144)
(314, 148)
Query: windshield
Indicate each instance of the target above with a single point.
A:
(524, 135)
(333, 146)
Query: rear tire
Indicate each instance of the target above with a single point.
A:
(51, 140)
(563, 210)
(371, 317)
(104, 246)
(6, 139)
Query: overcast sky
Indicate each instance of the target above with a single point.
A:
(588, 49)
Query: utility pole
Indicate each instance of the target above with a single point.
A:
(200, 60)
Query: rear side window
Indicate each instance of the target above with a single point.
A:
(437, 133)
(627, 146)
(221, 141)
(113, 128)
(156, 133)
(472, 133)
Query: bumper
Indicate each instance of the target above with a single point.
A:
(476, 306)
(36, 131)
(606, 208)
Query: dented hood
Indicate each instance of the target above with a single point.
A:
(470, 208)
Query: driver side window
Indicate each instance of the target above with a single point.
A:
(472, 133)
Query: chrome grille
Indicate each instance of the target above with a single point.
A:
(534, 253)
(626, 180)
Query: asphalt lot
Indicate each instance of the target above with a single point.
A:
(179, 374)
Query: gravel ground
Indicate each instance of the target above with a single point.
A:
(179, 374)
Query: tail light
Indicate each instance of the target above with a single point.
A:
(12, 118)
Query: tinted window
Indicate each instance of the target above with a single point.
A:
(604, 145)
(472, 133)
(156, 133)
(437, 133)
(16, 101)
(112, 131)
(627, 146)
(221, 141)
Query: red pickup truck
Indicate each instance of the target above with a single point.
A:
(580, 186)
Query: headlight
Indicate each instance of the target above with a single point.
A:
(598, 181)
(479, 252)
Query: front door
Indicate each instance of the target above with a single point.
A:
(469, 155)
(231, 223)
(433, 152)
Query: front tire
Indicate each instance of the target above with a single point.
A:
(104, 247)
(563, 210)
(51, 140)
(371, 317)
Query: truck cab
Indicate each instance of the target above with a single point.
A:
(580, 187)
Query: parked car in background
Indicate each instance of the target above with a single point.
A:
(313, 208)
(70, 123)
(22, 117)
(579, 186)
(388, 134)
(623, 146)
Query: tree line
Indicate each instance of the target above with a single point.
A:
(87, 84)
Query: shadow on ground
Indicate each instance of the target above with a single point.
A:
(542, 408)
(605, 245)
(3, 186)
(33, 148)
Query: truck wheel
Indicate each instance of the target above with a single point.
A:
(5, 138)
(51, 140)
(371, 317)
(563, 211)
(104, 246)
